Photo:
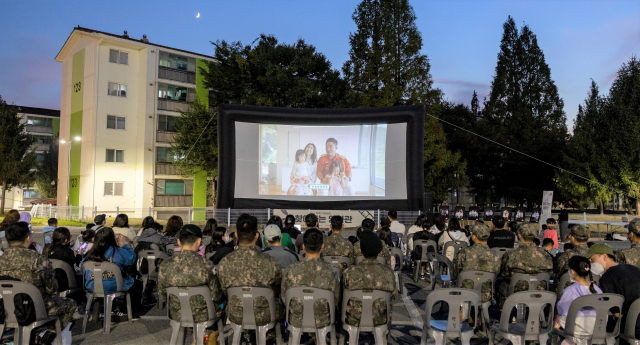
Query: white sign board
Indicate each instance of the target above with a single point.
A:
(547, 203)
(352, 219)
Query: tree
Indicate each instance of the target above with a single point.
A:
(16, 154)
(46, 176)
(525, 113)
(386, 68)
(474, 104)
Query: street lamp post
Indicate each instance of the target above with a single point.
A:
(69, 164)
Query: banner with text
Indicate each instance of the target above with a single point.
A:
(547, 203)
(352, 219)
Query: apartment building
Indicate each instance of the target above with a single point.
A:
(121, 103)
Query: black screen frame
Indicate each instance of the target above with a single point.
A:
(229, 114)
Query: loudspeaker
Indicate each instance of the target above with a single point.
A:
(428, 204)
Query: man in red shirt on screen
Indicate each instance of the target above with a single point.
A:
(324, 162)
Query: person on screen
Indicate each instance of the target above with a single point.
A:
(300, 177)
(324, 172)
(338, 181)
(311, 161)
(460, 214)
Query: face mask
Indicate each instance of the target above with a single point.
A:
(226, 239)
(597, 268)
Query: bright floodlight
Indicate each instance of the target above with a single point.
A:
(62, 141)
(77, 138)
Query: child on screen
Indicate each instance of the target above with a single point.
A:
(338, 181)
(300, 176)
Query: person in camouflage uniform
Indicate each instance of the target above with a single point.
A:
(247, 266)
(24, 264)
(336, 245)
(186, 268)
(477, 258)
(311, 272)
(527, 258)
(578, 236)
(369, 275)
(368, 225)
(631, 256)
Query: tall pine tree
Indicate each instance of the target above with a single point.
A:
(386, 68)
(525, 113)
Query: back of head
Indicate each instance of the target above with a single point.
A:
(247, 228)
(336, 223)
(89, 226)
(385, 236)
(385, 222)
(438, 221)
(209, 227)
(580, 233)
(52, 222)
(88, 235)
(368, 224)
(536, 241)
(147, 222)
(276, 220)
(513, 226)
(105, 238)
(60, 235)
(498, 222)
(313, 240)
(122, 221)
(311, 220)
(568, 246)
(544, 227)
(13, 216)
(217, 235)
(289, 221)
(358, 233)
(174, 224)
(189, 235)
(528, 232)
(393, 215)
(17, 233)
(454, 225)
(370, 244)
(419, 220)
(582, 267)
(551, 221)
(547, 242)
(426, 224)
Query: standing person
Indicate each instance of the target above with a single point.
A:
(146, 223)
(550, 233)
(52, 224)
(563, 219)
(552, 226)
(336, 245)
(477, 258)
(311, 272)
(275, 249)
(21, 263)
(369, 275)
(121, 226)
(323, 167)
(616, 278)
(112, 247)
(396, 226)
(632, 255)
(248, 267)
(455, 234)
(578, 236)
(500, 238)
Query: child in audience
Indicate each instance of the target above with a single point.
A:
(548, 232)
(580, 271)
(300, 176)
(338, 181)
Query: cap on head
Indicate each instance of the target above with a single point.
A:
(528, 231)
(634, 226)
(99, 219)
(271, 232)
(580, 232)
(480, 231)
(370, 244)
(600, 248)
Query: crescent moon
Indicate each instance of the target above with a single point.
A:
(198, 15)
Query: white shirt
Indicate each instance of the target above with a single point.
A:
(396, 226)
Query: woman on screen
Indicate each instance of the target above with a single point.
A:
(338, 181)
(311, 160)
(300, 177)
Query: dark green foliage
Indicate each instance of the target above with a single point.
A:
(47, 172)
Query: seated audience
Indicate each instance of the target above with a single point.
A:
(395, 226)
(221, 244)
(285, 239)
(174, 224)
(452, 234)
(121, 226)
(201, 249)
(547, 244)
(336, 245)
(369, 275)
(536, 241)
(550, 233)
(87, 238)
(151, 235)
(632, 255)
(289, 227)
(275, 248)
(209, 227)
(500, 238)
(416, 227)
(368, 225)
(311, 272)
(311, 221)
(387, 241)
(578, 236)
(146, 223)
(477, 258)
(47, 231)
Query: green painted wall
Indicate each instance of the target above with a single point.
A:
(200, 178)
(75, 130)
(201, 90)
(56, 127)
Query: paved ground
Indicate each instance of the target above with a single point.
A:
(153, 327)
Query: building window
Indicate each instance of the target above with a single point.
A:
(119, 57)
(114, 188)
(178, 62)
(174, 187)
(119, 90)
(176, 93)
(39, 158)
(116, 156)
(115, 122)
(30, 194)
(165, 155)
(42, 139)
(39, 121)
(168, 123)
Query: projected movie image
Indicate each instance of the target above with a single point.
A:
(320, 161)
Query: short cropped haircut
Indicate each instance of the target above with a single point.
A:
(393, 215)
(52, 222)
(498, 221)
(332, 140)
(368, 224)
(547, 242)
(311, 220)
(17, 232)
(551, 221)
(312, 240)
(336, 222)
(187, 238)
(247, 228)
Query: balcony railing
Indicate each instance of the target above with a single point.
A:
(165, 137)
(171, 105)
(177, 75)
(173, 200)
(42, 147)
(163, 168)
(39, 129)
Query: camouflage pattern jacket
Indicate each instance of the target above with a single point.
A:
(247, 266)
(528, 259)
(562, 263)
(629, 256)
(187, 268)
(477, 258)
(30, 267)
(384, 253)
(313, 273)
(369, 275)
(336, 245)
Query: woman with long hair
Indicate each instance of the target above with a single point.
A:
(426, 235)
(289, 226)
(121, 226)
(220, 244)
(112, 247)
(174, 224)
(453, 233)
(146, 223)
(385, 235)
(59, 249)
(211, 225)
(13, 216)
